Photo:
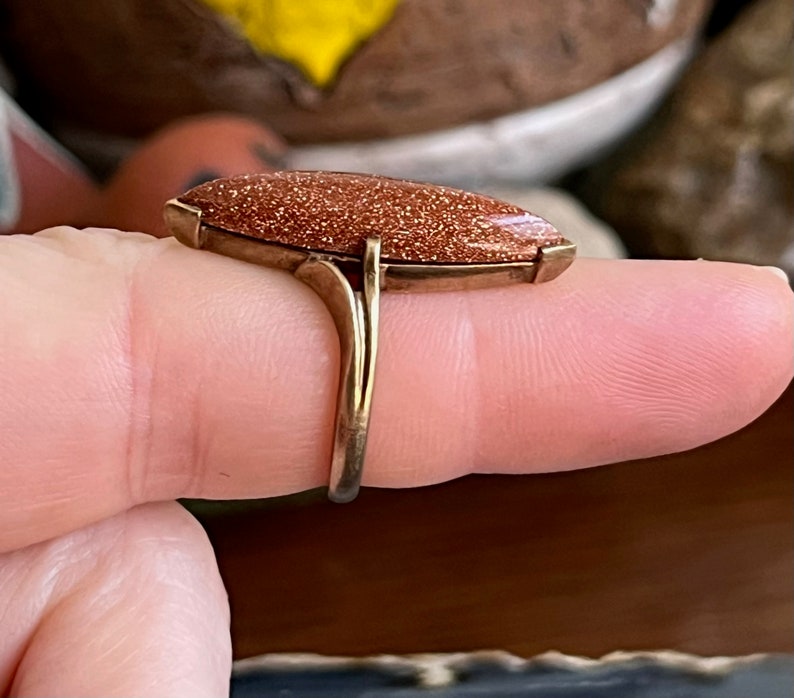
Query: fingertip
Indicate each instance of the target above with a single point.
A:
(624, 360)
(765, 320)
(778, 272)
(729, 329)
(134, 605)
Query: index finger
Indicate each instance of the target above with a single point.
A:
(137, 370)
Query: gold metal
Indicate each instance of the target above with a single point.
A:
(355, 312)
(184, 222)
(554, 260)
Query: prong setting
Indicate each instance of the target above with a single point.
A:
(184, 223)
(554, 260)
(350, 237)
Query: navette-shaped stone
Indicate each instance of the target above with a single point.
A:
(335, 213)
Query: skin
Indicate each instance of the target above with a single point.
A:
(135, 371)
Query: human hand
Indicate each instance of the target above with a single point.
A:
(136, 371)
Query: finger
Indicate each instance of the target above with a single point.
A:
(132, 606)
(136, 369)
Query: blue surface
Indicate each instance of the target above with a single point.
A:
(770, 677)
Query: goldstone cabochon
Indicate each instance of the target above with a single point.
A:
(336, 212)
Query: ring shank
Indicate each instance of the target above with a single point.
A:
(356, 316)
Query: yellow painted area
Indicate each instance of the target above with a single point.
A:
(315, 35)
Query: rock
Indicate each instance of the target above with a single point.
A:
(593, 237)
(532, 146)
(127, 67)
(713, 177)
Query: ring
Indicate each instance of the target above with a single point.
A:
(350, 237)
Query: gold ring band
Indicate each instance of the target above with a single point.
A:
(350, 237)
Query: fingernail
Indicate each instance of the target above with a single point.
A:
(777, 271)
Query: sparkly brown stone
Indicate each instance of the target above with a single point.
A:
(333, 212)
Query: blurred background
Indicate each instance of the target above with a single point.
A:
(656, 128)
(652, 128)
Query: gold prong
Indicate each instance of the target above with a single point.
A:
(554, 260)
(184, 223)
